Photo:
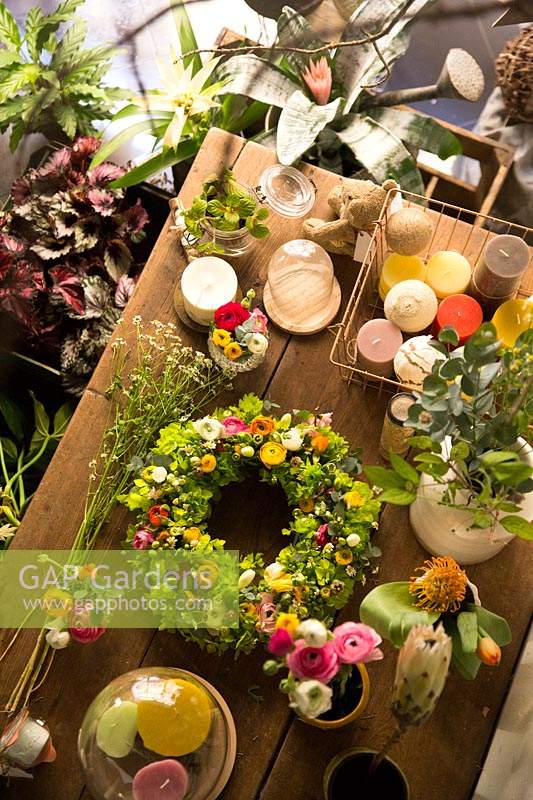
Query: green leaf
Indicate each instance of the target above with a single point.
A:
(186, 36)
(18, 78)
(451, 368)
(295, 31)
(511, 473)
(9, 32)
(9, 57)
(34, 24)
(492, 457)
(61, 419)
(256, 78)
(159, 162)
(13, 416)
(467, 627)
(421, 132)
(398, 497)
(467, 664)
(423, 442)
(482, 519)
(42, 420)
(384, 478)
(460, 451)
(448, 335)
(18, 129)
(103, 152)
(299, 124)
(9, 449)
(390, 609)
(519, 526)
(381, 152)
(67, 51)
(403, 468)
(66, 116)
(492, 624)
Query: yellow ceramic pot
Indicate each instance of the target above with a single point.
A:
(331, 724)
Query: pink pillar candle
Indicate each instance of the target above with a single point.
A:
(378, 341)
(461, 312)
(161, 780)
(501, 268)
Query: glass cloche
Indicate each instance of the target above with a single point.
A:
(157, 734)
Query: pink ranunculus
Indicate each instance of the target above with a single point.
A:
(320, 663)
(234, 425)
(280, 642)
(321, 536)
(266, 614)
(80, 627)
(86, 635)
(142, 539)
(356, 643)
(260, 321)
(324, 420)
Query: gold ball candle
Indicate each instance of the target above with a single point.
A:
(398, 268)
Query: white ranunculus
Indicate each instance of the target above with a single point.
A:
(246, 578)
(208, 428)
(273, 571)
(314, 632)
(57, 640)
(257, 344)
(311, 699)
(159, 474)
(292, 439)
(353, 540)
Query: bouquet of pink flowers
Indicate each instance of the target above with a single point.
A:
(320, 662)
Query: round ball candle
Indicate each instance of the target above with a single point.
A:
(448, 273)
(161, 780)
(414, 361)
(206, 284)
(513, 318)
(411, 305)
(460, 311)
(504, 262)
(408, 231)
(378, 341)
(398, 268)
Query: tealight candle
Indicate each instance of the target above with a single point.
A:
(448, 273)
(513, 318)
(378, 341)
(117, 729)
(504, 262)
(161, 780)
(460, 311)
(398, 268)
(206, 284)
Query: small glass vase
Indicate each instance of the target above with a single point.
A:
(233, 243)
(254, 359)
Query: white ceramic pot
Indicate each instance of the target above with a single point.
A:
(445, 531)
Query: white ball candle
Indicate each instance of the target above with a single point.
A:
(206, 284)
(411, 305)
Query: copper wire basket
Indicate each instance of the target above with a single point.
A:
(454, 229)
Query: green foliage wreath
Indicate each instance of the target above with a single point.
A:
(333, 513)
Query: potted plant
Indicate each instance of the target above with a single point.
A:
(421, 672)
(225, 217)
(328, 683)
(471, 492)
(439, 593)
(238, 339)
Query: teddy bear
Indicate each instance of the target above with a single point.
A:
(357, 204)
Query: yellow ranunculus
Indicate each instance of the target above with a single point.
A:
(221, 338)
(344, 556)
(272, 454)
(233, 351)
(353, 499)
(57, 602)
(281, 584)
(288, 621)
(208, 463)
(191, 534)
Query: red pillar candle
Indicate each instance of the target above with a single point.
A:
(161, 780)
(461, 312)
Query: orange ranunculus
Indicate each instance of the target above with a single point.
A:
(208, 463)
(262, 426)
(156, 514)
(320, 443)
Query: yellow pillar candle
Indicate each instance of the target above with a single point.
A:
(448, 272)
(512, 318)
(398, 268)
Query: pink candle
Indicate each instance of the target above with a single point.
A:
(161, 780)
(461, 312)
(378, 342)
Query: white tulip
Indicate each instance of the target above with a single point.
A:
(292, 439)
(58, 640)
(159, 475)
(311, 699)
(313, 631)
(353, 540)
(257, 344)
(273, 571)
(246, 578)
(208, 428)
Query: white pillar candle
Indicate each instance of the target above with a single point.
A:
(206, 284)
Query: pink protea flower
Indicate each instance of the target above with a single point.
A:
(234, 425)
(355, 643)
(317, 76)
(280, 642)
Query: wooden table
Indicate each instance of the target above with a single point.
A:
(278, 755)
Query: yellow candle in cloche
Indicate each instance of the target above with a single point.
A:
(512, 318)
(448, 272)
(398, 268)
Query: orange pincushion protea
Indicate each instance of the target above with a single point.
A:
(441, 586)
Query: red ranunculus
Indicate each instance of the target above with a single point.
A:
(230, 315)
(157, 514)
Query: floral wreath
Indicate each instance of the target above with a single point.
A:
(333, 513)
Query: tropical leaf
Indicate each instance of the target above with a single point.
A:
(299, 124)
(15, 80)
(34, 25)
(9, 32)
(254, 112)
(381, 152)
(66, 116)
(357, 65)
(103, 153)
(12, 415)
(67, 52)
(255, 78)
(295, 31)
(9, 57)
(390, 609)
(186, 36)
(418, 130)
(157, 163)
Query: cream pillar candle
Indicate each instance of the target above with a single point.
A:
(206, 284)
(448, 272)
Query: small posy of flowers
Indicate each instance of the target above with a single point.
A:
(319, 661)
(239, 332)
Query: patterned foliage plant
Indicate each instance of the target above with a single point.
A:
(66, 267)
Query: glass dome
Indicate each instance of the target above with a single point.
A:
(157, 734)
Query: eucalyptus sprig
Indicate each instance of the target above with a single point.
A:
(472, 410)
